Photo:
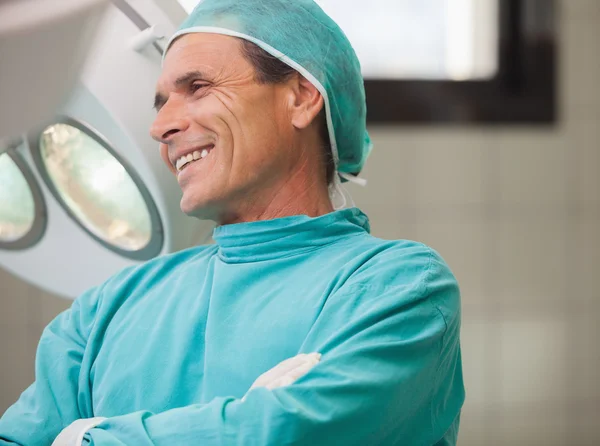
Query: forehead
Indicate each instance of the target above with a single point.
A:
(207, 53)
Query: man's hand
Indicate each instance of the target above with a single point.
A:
(287, 372)
(73, 434)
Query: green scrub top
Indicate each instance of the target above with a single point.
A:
(167, 349)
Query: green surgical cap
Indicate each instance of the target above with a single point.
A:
(301, 34)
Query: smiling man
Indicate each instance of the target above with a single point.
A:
(244, 147)
(297, 327)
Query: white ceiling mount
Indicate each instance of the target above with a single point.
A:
(41, 36)
(145, 38)
(114, 100)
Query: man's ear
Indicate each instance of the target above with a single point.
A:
(306, 102)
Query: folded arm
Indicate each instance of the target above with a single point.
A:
(386, 375)
(53, 401)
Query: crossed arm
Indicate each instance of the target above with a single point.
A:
(386, 375)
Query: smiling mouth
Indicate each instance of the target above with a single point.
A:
(190, 158)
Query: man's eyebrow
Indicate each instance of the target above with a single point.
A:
(181, 81)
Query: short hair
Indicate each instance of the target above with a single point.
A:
(270, 70)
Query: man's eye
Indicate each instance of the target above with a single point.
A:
(196, 87)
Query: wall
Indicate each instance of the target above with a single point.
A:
(516, 213)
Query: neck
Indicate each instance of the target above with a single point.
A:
(299, 194)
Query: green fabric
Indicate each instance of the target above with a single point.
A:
(308, 38)
(166, 350)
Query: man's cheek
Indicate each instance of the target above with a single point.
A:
(164, 154)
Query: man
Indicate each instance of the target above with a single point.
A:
(260, 102)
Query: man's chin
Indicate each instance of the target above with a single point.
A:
(201, 210)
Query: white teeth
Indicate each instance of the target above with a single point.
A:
(181, 162)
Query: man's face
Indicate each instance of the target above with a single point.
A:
(208, 102)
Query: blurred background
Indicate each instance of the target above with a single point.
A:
(507, 190)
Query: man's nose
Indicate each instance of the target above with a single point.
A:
(168, 124)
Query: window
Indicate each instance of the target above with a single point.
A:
(427, 39)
